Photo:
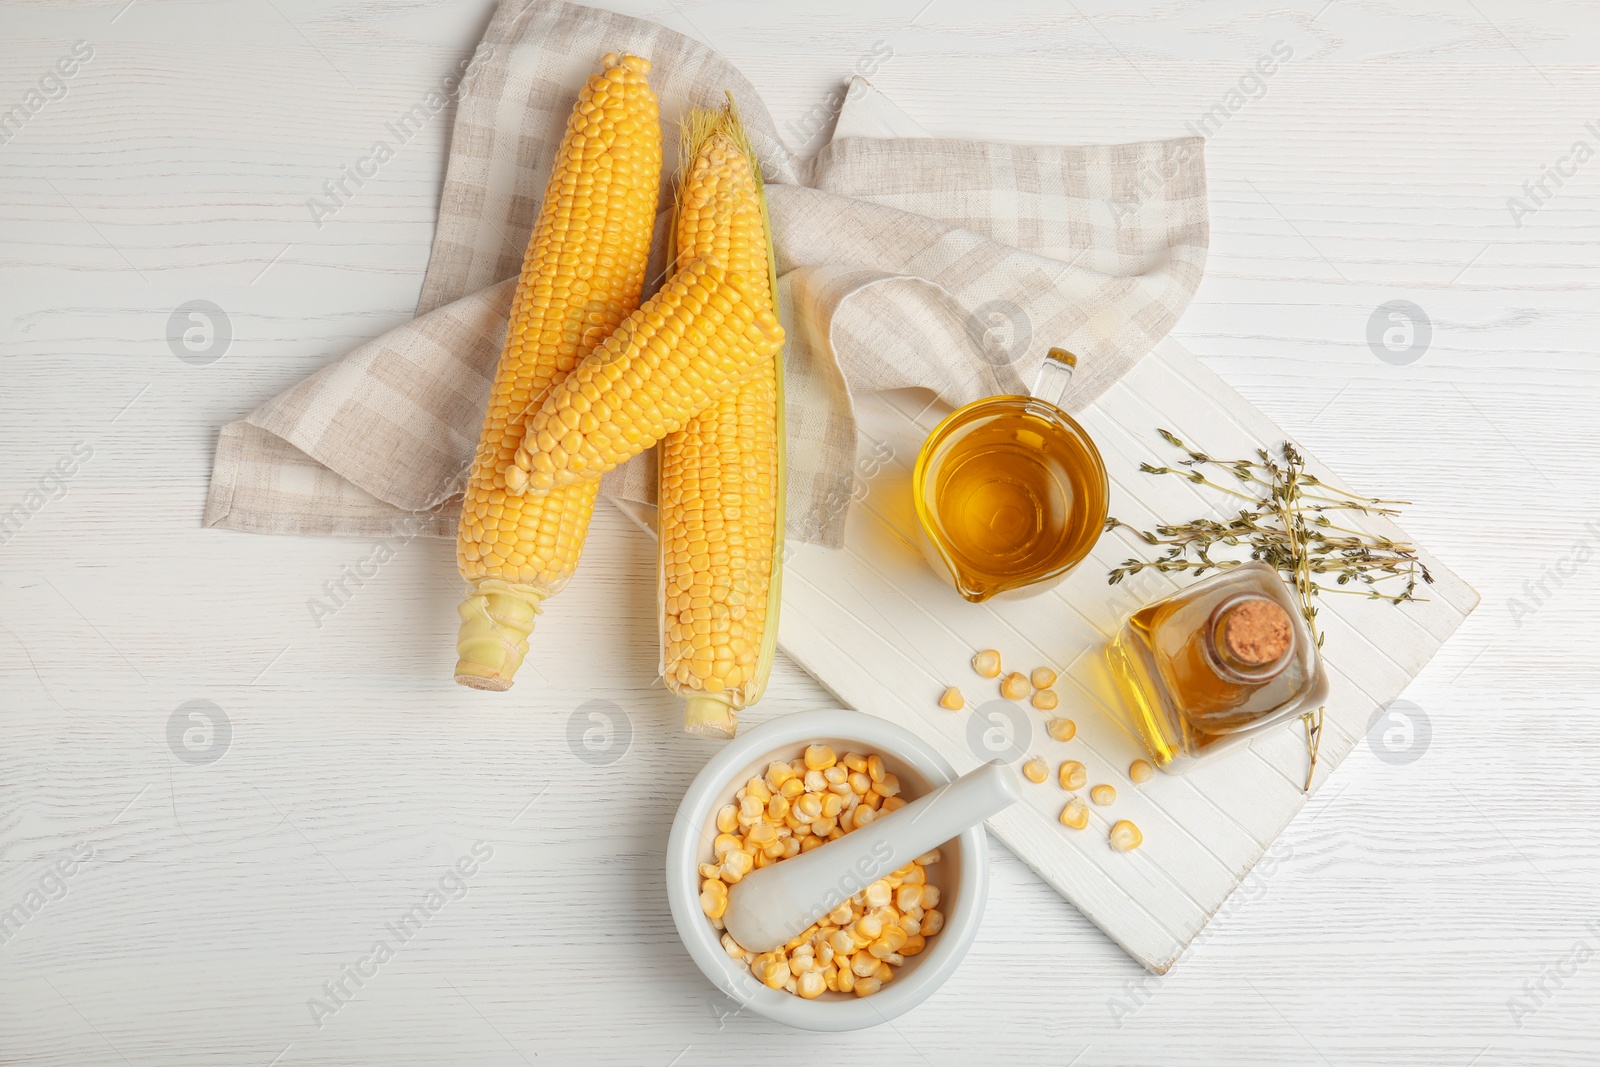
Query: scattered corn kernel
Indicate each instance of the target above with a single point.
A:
(952, 700)
(1140, 771)
(1061, 729)
(1045, 700)
(1125, 837)
(1103, 794)
(1036, 770)
(1014, 686)
(1074, 775)
(1042, 677)
(987, 663)
(1075, 814)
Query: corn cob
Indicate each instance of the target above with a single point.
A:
(581, 277)
(720, 496)
(692, 343)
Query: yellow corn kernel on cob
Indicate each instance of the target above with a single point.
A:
(692, 343)
(581, 277)
(717, 514)
(720, 493)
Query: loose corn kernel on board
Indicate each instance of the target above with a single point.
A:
(875, 625)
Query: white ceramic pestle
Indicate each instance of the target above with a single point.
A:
(768, 907)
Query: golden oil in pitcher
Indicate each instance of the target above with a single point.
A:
(1010, 494)
(1226, 658)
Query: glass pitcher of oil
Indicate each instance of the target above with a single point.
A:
(1010, 495)
(1219, 662)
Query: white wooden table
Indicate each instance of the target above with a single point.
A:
(1443, 911)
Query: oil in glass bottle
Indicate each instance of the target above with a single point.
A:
(1227, 657)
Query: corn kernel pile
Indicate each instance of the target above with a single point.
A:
(794, 808)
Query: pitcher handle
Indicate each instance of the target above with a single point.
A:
(1055, 374)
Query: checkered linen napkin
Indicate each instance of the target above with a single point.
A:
(951, 266)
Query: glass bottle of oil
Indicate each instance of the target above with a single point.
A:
(1227, 657)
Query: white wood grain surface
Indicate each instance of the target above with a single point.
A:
(1406, 906)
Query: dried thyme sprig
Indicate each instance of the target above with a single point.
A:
(1288, 524)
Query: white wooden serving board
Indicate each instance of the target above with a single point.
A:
(877, 626)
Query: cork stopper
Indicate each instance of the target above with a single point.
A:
(1255, 632)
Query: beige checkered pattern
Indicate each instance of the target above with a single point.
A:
(949, 266)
